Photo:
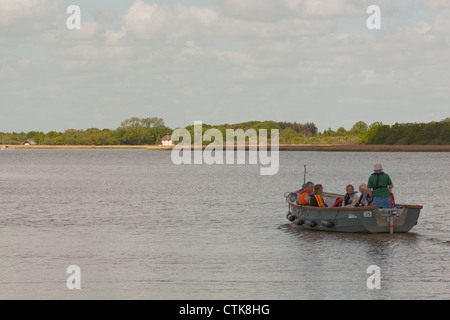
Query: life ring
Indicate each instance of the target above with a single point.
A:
(293, 197)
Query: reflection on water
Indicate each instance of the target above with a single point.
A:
(141, 228)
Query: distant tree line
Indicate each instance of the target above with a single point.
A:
(433, 133)
(149, 131)
(133, 131)
(308, 129)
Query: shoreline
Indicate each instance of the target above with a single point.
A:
(282, 147)
(23, 147)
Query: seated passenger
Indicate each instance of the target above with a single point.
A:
(316, 199)
(351, 197)
(303, 198)
(365, 199)
(303, 187)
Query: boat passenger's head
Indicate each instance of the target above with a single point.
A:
(377, 167)
(350, 189)
(318, 188)
(363, 188)
(309, 186)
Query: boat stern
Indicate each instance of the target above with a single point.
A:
(400, 219)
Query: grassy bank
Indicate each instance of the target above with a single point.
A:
(367, 148)
(282, 147)
(145, 147)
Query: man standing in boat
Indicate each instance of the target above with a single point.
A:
(379, 183)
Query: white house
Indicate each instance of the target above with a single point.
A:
(30, 142)
(167, 140)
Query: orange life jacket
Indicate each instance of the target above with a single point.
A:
(301, 198)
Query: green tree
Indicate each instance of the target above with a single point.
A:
(288, 136)
(268, 125)
(152, 122)
(341, 131)
(377, 134)
(307, 129)
(141, 131)
(329, 133)
(135, 122)
(359, 128)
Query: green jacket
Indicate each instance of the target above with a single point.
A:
(380, 190)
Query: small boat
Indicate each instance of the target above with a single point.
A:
(7, 148)
(368, 219)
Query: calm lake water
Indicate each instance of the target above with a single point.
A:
(140, 227)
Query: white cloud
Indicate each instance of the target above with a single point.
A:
(25, 17)
(436, 4)
(441, 25)
(99, 53)
(422, 27)
(115, 36)
(239, 28)
(333, 8)
(192, 49)
(272, 11)
(234, 57)
(146, 21)
(90, 30)
(243, 61)
(105, 15)
(369, 77)
(261, 10)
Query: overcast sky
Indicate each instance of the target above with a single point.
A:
(222, 61)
